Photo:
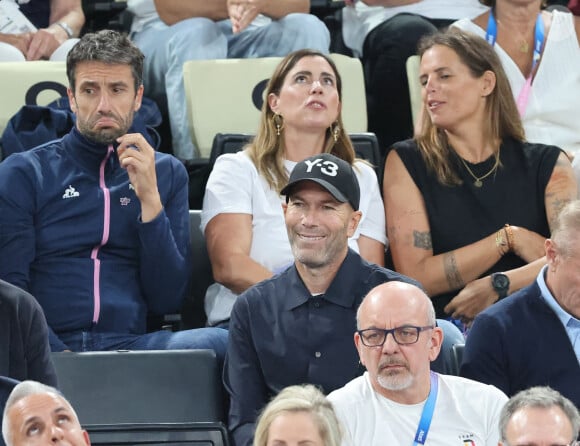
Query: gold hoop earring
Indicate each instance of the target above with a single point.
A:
(335, 130)
(278, 123)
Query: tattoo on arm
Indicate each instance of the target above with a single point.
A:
(422, 240)
(452, 272)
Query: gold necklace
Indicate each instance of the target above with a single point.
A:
(477, 182)
(524, 46)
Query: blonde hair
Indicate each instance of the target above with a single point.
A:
(305, 398)
(503, 117)
(267, 148)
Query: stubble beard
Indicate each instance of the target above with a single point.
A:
(312, 260)
(105, 136)
(315, 259)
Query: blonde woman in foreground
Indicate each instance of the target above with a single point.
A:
(298, 415)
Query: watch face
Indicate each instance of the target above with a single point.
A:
(501, 281)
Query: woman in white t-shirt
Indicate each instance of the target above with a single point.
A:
(540, 53)
(242, 215)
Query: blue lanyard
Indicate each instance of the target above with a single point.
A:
(539, 31)
(427, 414)
(490, 36)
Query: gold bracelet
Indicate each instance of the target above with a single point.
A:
(510, 237)
(500, 243)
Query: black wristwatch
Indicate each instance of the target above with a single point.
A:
(501, 284)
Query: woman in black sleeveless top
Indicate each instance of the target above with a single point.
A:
(468, 203)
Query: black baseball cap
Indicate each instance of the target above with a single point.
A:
(332, 173)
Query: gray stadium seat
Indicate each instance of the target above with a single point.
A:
(174, 386)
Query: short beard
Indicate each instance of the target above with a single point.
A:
(319, 259)
(395, 381)
(311, 262)
(105, 136)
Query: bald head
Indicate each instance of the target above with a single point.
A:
(397, 339)
(395, 295)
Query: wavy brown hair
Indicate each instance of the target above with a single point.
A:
(503, 119)
(267, 148)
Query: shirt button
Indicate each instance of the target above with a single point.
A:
(317, 304)
(318, 354)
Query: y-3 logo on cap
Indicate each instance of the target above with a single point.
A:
(327, 167)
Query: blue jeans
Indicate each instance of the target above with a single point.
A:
(167, 48)
(215, 339)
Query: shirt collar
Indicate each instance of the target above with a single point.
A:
(342, 290)
(565, 317)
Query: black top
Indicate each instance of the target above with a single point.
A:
(6, 386)
(281, 335)
(37, 11)
(461, 215)
(24, 350)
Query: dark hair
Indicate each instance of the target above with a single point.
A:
(267, 148)
(109, 47)
(503, 119)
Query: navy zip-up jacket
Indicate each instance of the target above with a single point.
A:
(71, 235)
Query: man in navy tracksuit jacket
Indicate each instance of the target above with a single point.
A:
(96, 225)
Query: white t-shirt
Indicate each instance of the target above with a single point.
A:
(466, 413)
(361, 19)
(552, 114)
(235, 187)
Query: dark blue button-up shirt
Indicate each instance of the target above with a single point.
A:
(281, 335)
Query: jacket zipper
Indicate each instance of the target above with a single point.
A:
(104, 240)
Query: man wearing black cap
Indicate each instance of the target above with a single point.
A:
(297, 326)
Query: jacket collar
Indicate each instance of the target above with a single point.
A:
(86, 152)
(342, 290)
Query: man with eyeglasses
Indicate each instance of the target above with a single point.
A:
(398, 400)
(539, 416)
